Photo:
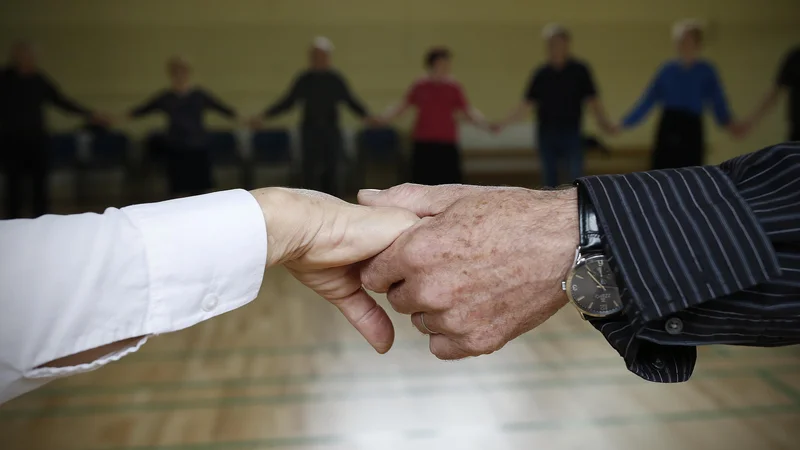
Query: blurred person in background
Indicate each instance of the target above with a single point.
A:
(24, 91)
(788, 79)
(321, 89)
(683, 86)
(438, 98)
(558, 89)
(185, 144)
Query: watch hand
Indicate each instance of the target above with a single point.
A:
(595, 279)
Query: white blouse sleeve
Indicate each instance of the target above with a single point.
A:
(73, 283)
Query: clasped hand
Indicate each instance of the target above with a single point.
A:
(478, 265)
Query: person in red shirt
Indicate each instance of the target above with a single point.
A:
(439, 100)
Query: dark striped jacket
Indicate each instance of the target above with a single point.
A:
(703, 255)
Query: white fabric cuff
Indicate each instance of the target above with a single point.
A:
(206, 256)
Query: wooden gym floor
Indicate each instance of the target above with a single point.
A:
(288, 372)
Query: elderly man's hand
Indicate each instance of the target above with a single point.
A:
(484, 266)
(320, 238)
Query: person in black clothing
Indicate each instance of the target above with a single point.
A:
(558, 90)
(24, 92)
(321, 89)
(185, 143)
(788, 79)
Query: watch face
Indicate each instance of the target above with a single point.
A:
(593, 289)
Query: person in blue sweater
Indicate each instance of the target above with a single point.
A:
(683, 87)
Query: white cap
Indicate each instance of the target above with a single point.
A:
(684, 26)
(553, 29)
(322, 43)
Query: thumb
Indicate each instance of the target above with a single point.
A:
(364, 313)
(421, 200)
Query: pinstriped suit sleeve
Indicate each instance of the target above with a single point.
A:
(705, 255)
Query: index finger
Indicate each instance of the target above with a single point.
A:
(387, 268)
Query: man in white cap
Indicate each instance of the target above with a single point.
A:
(321, 89)
(558, 90)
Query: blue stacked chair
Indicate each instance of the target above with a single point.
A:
(382, 146)
(64, 151)
(271, 149)
(223, 148)
(109, 151)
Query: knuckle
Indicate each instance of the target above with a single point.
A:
(369, 277)
(483, 345)
(441, 355)
(406, 189)
(398, 301)
(416, 252)
(427, 295)
(451, 324)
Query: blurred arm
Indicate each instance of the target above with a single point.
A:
(719, 102)
(765, 106)
(645, 103)
(83, 290)
(57, 98)
(288, 100)
(397, 110)
(599, 112)
(530, 97)
(213, 103)
(154, 104)
(782, 82)
(518, 113)
(593, 100)
(352, 102)
(469, 112)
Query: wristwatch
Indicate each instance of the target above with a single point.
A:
(591, 285)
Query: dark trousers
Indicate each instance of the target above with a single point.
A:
(25, 157)
(560, 147)
(322, 154)
(679, 141)
(188, 166)
(434, 163)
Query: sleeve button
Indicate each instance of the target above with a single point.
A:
(210, 302)
(674, 325)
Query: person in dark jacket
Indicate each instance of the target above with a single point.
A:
(185, 144)
(25, 90)
(321, 89)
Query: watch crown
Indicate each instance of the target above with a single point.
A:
(563, 285)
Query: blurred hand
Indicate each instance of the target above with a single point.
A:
(320, 238)
(256, 123)
(374, 122)
(739, 129)
(484, 266)
(102, 119)
(611, 129)
(496, 128)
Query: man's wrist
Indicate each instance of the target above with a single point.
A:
(562, 206)
(568, 216)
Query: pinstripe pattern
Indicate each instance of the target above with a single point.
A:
(715, 249)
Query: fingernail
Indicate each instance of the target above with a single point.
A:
(369, 192)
